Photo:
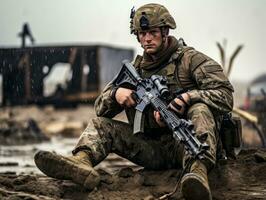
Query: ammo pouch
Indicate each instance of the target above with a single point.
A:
(231, 133)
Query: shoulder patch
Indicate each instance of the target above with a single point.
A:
(197, 60)
(212, 66)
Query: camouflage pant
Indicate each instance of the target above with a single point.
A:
(154, 150)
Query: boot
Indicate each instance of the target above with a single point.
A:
(77, 168)
(194, 185)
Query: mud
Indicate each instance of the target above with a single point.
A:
(244, 178)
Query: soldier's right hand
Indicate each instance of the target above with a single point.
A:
(124, 97)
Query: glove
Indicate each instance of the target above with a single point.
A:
(180, 104)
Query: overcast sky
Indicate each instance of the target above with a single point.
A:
(200, 22)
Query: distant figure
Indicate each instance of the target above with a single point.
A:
(26, 32)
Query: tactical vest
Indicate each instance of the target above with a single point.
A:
(177, 78)
(178, 75)
(178, 71)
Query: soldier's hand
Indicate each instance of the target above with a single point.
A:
(123, 97)
(180, 103)
(158, 119)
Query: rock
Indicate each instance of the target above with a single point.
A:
(105, 177)
(15, 132)
(125, 172)
(260, 157)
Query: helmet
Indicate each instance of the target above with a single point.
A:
(150, 16)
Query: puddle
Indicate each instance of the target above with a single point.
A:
(20, 158)
(23, 154)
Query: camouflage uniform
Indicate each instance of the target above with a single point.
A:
(201, 79)
(211, 97)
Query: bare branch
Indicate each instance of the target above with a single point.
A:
(222, 54)
(238, 49)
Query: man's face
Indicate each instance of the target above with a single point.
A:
(150, 40)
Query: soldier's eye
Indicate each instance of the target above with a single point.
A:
(142, 34)
(154, 33)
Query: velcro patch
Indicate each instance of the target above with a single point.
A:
(213, 68)
(197, 60)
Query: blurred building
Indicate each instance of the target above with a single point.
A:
(28, 74)
(256, 94)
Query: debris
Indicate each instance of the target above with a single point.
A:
(15, 132)
(8, 164)
(260, 157)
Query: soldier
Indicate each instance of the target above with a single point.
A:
(206, 96)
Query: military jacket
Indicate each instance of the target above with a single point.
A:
(187, 69)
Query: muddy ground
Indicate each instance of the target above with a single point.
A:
(241, 179)
(244, 178)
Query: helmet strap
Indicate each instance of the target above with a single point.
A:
(137, 36)
(164, 32)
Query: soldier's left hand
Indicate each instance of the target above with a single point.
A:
(180, 104)
(158, 119)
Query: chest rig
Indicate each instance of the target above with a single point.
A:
(170, 70)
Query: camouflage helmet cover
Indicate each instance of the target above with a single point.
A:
(151, 16)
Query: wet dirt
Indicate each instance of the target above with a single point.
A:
(244, 178)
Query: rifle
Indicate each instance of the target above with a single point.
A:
(154, 91)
